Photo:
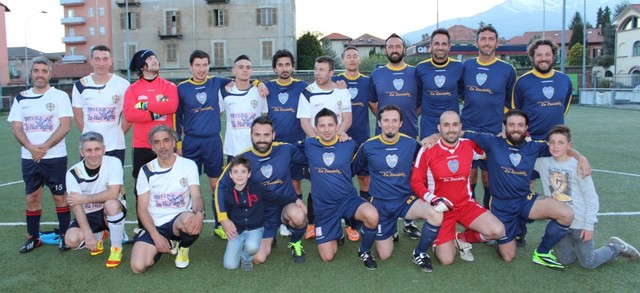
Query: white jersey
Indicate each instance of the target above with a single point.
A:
(40, 116)
(168, 188)
(79, 181)
(102, 108)
(313, 99)
(241, 108)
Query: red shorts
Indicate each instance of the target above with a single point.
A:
(465, 215)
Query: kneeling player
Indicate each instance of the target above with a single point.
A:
(441, 176)
(169, 204)
(93, 187)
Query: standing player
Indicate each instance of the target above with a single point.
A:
(271, 165)
(488, 84)
(169, 205)
(150, 101)
(323, 94)
(389, 158)
(242, 104)
(358, 87)
(441, 174)
(334, 195)
(93, 187)
(396, 84)
(441, 79)
(40, 119)
(198, 118)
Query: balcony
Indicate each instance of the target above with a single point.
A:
(72, 20)
(74, 40)
(74, 59)
(123, 3)
(71, 2)
(173, 33)
(217, 1)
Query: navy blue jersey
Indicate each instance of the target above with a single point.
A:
(399, 87)
(545, 98)
(283, 106)
(487, 94)
(441, 87)
(198, 111)
(510, 166)
(330, 170)
(389, 165)
(359, 90)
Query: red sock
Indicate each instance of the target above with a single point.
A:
(471, 236)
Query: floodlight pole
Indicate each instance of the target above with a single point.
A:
(584, 45)
(562, 42)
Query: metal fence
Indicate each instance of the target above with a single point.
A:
(610, 97)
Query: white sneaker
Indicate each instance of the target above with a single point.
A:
(625, 249)
(284, 231)
(464, 248)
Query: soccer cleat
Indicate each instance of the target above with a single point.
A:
(396, 237)
(31, 244)
(115, 257)
(521, 241)
(352, 234)
(61, 245)
(341, 240)
(464, 248)
(412, 231)
(625, 249)
(547, 260)
(220, 233)
(423, 260)
(284, 231)
(173, 244)
(246, 266)
(368, 260)
(100, 245)
(182, 259)
(297, 251)
(311, 231)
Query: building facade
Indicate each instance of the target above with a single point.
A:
(87, 23)
(628, 41)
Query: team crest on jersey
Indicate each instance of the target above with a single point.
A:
(481, 78)
(453, 165)
(392, 160)
(266, 170)
(548, 92)
(283, 98)
(339, 104)
(398, 83)
(353, 91)
(50, 106)
(328, 158)
(254, 104)
(201, 97)
(439, 80)
(115, 99)
(515, 159)
(183, 182)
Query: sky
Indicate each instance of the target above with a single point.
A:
(349, 17)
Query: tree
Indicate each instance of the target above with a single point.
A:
(575, 55)
(599, 17)
(577, 27)
(619, 8)
(309, 48)
(609, 33)
(606, 15)
(327, 50)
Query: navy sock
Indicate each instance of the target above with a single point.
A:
(215, 215)
(429, 234)
(368, 237)
(33, 223)
(186, 240)
(473, 190)
(310, 216)
(552, 235)
(299, 196)
(297, 233)
(64, 218)
(365, 195)
(487, 197)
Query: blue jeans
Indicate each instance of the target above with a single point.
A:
(245, 246)
(571, 247)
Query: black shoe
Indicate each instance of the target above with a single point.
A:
(341, 240)
(30, 245)
(412, 231)
(368, 260)
(423, 260)
(396, 237)
(274, 243)
(521, 241)
(62, 246)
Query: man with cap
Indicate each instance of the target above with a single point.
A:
(150, 101)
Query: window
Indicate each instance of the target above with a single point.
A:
(100, 11)
(90, 12)
(72, 51)
(218, 53)
(130, 50)
(13, 71)
(133, 19)
(172, 22)
(267, 16)
(103, 31)
(636, 49)
(92, 31)
(172, 52)
(71, 13)
(217, 17)
(71, 32)
(266, 50)
(630, 23)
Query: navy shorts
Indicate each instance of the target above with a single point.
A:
(299, 172)
(510, 212)
(389, 211)
(49, 172)
(117, 154)
(479, 163)
(97, 221)
(272, 220)
(329, 221)
(165, 230)
(206, 152)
